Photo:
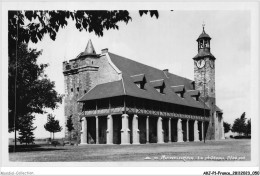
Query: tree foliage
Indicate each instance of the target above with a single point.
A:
(34, 91)
(33, 25)
(69, 126)
(239, 125)
(26, 129)
(52, 125)
(226, 127)
(248, 128)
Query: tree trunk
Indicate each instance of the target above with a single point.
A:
(70, 137)
(53, 135)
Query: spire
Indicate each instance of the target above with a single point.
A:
(89, 49)
(203, 25)
(203, 34)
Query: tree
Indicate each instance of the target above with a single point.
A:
(239, 125)
(26, 129)
(29, 91)
(52, 125)
(226, 127)
(69, 126)
(248, 128)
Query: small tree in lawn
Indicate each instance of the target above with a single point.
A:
(52, 125)
(69, 126)
(26, 129)
(239, 125)
(226, 127)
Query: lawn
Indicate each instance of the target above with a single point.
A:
(211, 151)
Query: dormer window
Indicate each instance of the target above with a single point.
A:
(179, 90)
(181, 94)
(140, 84)
(139, 80)
(195, 94)
(159, 85)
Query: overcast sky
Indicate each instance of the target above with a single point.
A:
(168, 42)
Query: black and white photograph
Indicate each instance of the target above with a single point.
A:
(101, 88)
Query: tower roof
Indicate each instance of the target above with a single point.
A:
(89, 50)
(203, 34)
(202, 54)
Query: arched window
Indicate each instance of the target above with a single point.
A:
(201, 44)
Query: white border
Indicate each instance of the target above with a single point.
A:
(125, 168)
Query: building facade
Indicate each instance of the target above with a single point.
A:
(115, 100)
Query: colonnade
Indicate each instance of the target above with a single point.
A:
(187, 130)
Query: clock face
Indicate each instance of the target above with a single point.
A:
(200, 63)
(211, 63)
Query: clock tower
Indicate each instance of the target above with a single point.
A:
(204, 77)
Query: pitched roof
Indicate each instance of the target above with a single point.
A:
(106, 90)
(127, 85)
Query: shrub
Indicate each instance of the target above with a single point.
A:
(55, 143)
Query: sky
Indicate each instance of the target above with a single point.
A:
(168, 42)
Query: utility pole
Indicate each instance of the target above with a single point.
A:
(204, 83)
(15, 86)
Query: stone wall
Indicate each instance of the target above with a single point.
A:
(207, 74)
(81, 75)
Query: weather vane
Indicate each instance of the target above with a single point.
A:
(203, 24)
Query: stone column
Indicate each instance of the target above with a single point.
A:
(179, 131)
(147, 129)
(160, 135)
(136, 131)
(202, 131)
(125, 132)
(187, 127)
(97, 138)
(170, 129)
(196, 131)
(109, 129)
(84, 135)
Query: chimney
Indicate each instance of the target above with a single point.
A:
(166, 71)
(105, 50)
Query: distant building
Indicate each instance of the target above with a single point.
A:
(115, 100)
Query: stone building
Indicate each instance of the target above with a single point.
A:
(115, 100)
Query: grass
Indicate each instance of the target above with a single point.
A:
(221, 150)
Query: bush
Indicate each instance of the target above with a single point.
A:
(242, 137)
(55, 143)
